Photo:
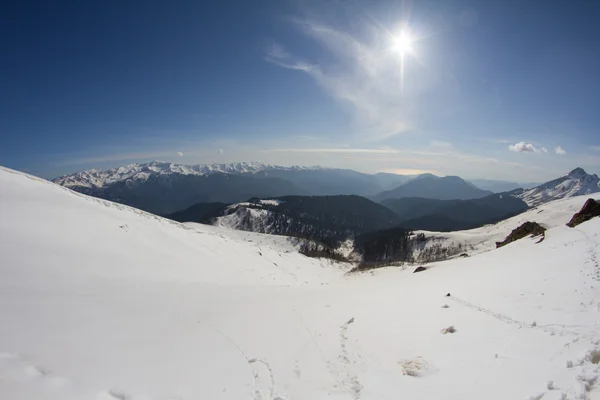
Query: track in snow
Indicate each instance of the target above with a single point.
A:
(552, 329)
(351, 381)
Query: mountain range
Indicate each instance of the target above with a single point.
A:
(164, 188)
(332, 219)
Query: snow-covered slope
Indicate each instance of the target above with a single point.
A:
(245, 218)
(141, 172)
(575, 183)
(474, 241)
(103, 302)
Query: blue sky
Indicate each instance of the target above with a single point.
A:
(482, 89)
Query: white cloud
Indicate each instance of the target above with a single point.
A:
(523, 147)
(440, 145)
(544, 150)
(277, 52)
(364, 74)
(560, 151)
(179, 154)
(220, 151)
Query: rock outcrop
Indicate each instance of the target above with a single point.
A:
(526, 229)
(590, 209)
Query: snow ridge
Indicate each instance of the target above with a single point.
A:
(141, 172)
(575, 183)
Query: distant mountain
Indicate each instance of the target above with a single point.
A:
(163, 187)
(311, 180)
(324, 218)
(140, 172)
(432, 187)
(575, 183)
(453, 215)
(500, 186)
(327, 181)
(389, 181)
(166, 193)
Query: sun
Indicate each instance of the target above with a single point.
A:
(402, 43)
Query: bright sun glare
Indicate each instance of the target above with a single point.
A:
(402, 43)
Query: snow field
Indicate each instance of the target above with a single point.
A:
(101, 301)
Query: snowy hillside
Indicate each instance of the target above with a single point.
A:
(307, 215)
(141, 172)
(474, 241)
(575, 183)
(103, 302)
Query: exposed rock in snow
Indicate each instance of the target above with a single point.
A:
(526, 229)
(590, 209)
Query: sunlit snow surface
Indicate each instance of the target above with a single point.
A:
(100, 301)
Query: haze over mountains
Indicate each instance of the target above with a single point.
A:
(165, 188)
(433, 187)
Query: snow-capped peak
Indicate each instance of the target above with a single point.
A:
(575, 183)
(93, 178)
(577, 173)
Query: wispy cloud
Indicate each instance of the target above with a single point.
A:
(179, 154)
(379, 152)
(440, 145)
(560, 151)
(361, 73)
(220, 151)
(595, 148)
(333, 150)
(523, 147)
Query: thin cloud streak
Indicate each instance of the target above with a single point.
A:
(441, 145)
(390, 151)
(363, 75)
(333, 150)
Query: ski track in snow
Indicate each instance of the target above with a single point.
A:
(351, 383)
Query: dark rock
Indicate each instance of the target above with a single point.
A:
(463, 255)
(526, 229)
(448, 295)
(590, 209)
(419, 269)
